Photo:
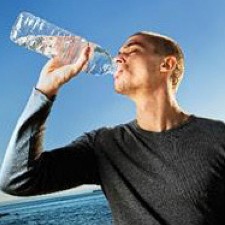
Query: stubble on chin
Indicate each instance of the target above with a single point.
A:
(118, 90)
(122, 88)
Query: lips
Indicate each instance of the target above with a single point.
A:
(118, 73)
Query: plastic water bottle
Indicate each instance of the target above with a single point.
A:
(43, 37)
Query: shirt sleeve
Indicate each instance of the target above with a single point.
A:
(28, 170)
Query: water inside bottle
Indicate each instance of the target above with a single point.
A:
(68, 50)
(101, 62)
(65, 47)
(40, 44)
(40, 36)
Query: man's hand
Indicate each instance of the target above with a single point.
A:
(55, 73)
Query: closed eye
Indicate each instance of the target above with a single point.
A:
(129, 50)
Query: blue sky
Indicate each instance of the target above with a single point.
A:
(89, 102)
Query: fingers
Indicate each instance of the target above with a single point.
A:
(82, 61)
(64, 73)
(56, 73)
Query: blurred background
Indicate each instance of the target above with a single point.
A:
(89, 102)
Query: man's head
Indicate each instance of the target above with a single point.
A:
(148, 62)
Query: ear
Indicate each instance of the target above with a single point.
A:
(169, 64)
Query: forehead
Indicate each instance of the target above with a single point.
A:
(138, 39)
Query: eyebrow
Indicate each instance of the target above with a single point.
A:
(134, 43)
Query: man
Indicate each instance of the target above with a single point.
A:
(165, 167)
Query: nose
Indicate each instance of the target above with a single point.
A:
(119, 58)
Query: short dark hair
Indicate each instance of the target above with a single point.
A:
(166, 46)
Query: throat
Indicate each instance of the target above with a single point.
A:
(161, 122)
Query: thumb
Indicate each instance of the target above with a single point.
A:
(52, 65)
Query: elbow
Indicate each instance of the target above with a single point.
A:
(9, 189)
(15, 187)
(16, 191)
(4, 184)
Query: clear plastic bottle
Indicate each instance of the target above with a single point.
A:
(43, 37)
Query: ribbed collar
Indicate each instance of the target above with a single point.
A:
(173, 131)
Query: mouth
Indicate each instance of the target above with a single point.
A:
(117, 73)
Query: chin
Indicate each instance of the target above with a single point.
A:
(120, 91)
(122, 88)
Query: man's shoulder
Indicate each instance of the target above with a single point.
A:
(210, 125)
(212, 122)
(112, 130)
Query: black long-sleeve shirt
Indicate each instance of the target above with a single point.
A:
(174, 177)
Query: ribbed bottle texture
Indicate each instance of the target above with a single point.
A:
(50, 40)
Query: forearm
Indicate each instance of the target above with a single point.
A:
(25, 146)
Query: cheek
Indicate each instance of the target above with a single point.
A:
(138, 71)
(139, 65)
(146, 72)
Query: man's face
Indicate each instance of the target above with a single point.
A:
(138, 67)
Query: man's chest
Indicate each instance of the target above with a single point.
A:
(179, 170)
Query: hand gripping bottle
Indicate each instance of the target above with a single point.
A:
(43, 37)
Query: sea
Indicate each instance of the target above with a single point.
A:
(86, 209)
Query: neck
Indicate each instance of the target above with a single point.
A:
(159, 112)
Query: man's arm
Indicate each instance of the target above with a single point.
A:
(28, 170)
